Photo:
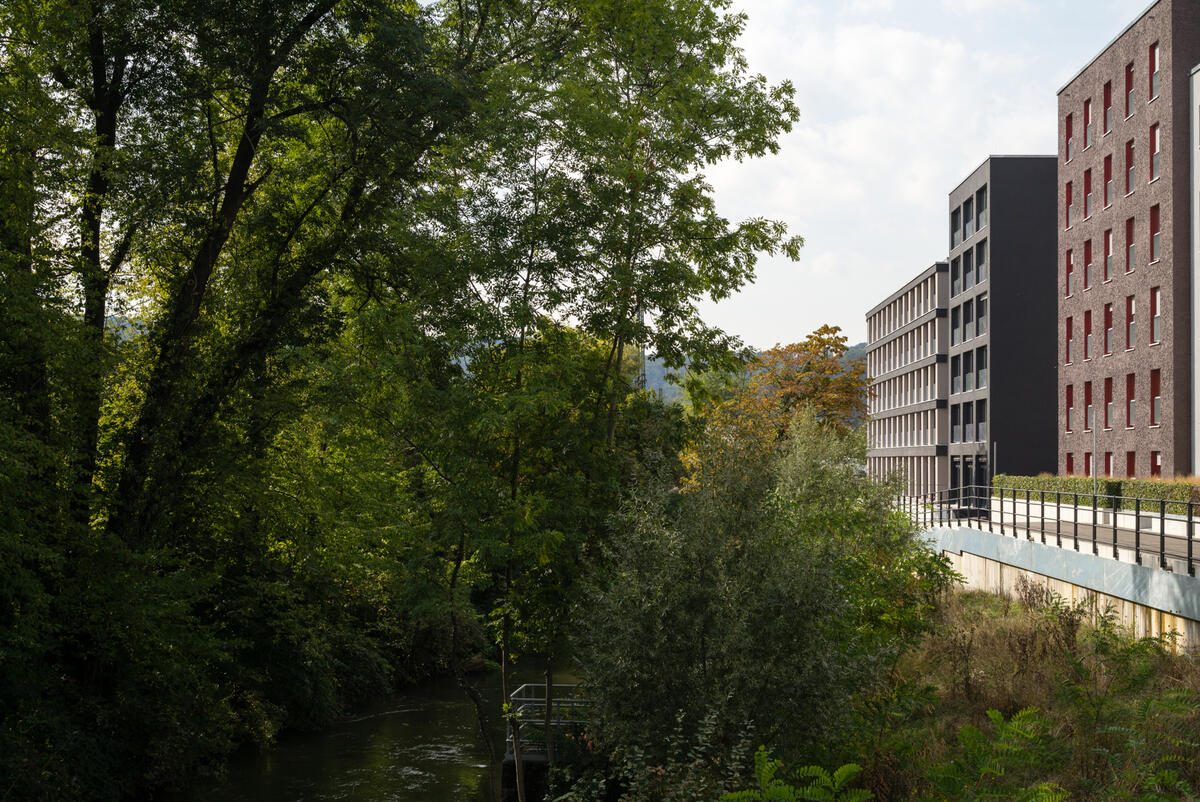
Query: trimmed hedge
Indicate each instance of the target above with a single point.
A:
(1126, 490)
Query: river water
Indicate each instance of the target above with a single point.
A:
(422, 745)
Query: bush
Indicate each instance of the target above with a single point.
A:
(1125, 490)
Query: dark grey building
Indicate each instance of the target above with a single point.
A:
(1002, 316)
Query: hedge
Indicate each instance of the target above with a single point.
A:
(1126, 490)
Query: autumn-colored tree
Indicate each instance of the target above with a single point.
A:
(815, 373)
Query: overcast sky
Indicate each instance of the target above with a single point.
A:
(899, 101)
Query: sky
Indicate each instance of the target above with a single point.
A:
(900, 100)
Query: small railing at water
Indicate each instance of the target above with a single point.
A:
(570, 712)
(1158, 531)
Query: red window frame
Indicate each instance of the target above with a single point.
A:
(1155, 322)
(1130, 233)
(1107, 106)
(1130, 322)
(1130, 398)
(1087, 334)
(1087, 123)
(1068, 142)
(1155, 230)
(1155, 151)
(1070, 335)
(1108, 253)
(1108, 325)
(1129, 179)
(1155, 395)
(1130, 463)
(1070, 464)
(1087, 407)
(1108, 399)
(1129, 90)
(1069, 274)
(1152, 72)
(1108, 180)
(1087, 194)
(1070, 402)
(1156, 463)
(1087, 264)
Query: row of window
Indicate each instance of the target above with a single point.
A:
(922, 472)
(901, 431)
(1130, 177)
(1107, 344)
(968, 269)
(969, 320)
(909, 388)
(968, 422)
(903, 310)
(1109, 409)
(1130, 463)
(903, 350)
(969, 218)
(1154, 84)
(969, 371)
(1106, 256)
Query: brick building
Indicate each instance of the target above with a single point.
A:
(1125, 214)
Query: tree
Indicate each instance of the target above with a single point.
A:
(816, 373)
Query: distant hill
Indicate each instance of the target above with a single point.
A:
(855, 352)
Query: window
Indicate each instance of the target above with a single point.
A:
(1108, 463)
(1156, 463)
(981, 367)
(1087, 123)
(968, 213)
(1108, 254)
(1087, 194)
(1070, 404)
(1108, 117)
(968, 320)
(955, 374)
(955, 277)
(1129, 89)
(1088, 420)
(1155, 397)
(955, 424)
(1070, 333)
(981, 319)
(955, 332)
(1108, 181)
(1070, 273)
(981, 433)
(1155, 230)
(1087, 463)
(981, 262)
(1130, 400)
(1070, 204)
(1153, 69)
(1087, 334)
(1129, 260)
(955, 230)
(1155, 314)
(981, 208)
(1108, 403)
(1070, 464)
(1130, 463)
(1129, 167)
(1130, 322)
(1155, 152)
(968, 269)
(968, 363)
(1087, 264)
(1108, 327)
(968, 422)
(1070, 136)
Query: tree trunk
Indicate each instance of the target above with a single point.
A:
(549, 705)
(513, 722)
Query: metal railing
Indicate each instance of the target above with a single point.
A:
(1138, 530)
(569, 712)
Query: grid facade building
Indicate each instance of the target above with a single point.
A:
(1001, 320)
(907, 337)
(1126, 125)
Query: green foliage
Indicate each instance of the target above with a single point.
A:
(1150, 491)
(824, 786)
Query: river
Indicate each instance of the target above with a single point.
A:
(422, 745)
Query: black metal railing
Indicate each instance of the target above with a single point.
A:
(1161, 531)
(570, 712)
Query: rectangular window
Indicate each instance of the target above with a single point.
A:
(1087, 123)
(968, 269)
(1069, 132)
(1154, 80)
(1087, 463)
(968, 363)
(955, 331)
(1129, 167)
(1130, 322)
(1070, 204)
(1108, 114)
(1087, 264)
(955, 424)
(981, 262)
(981, 314)
(1108, 181)
(968, 422)
(1108, 254)
(1130, 463)
(1155, 230)
(968, 320)
(981, 421)
(1108, 463)
(1070, 333)
(955, 227)
(955, 277)
(1069, 273)
(1130, 400)
(981, 208)
(1087, 334)
(1070, 404)
(1129, 90)
(1155, 314)
(955, 375)
(981, 367)
(1129, 254)
(1108, 403)
(1156, 463)
(968, 218)
(1108, 328)
(1087, 194)
(1088, 420)
(1070, 464)
(1155, 151)
(1155, 397)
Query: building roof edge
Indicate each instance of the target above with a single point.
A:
(936, 267)
(1106, 48)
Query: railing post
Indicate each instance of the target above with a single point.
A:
(1191, 567)
(1116, 504)
(1058, 517)
(1002, 511)
(1095, 521)
(1137, 531)
(1162, 533)
(1075, 520)
(1042, 515)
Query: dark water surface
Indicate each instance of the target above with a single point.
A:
(422, 745)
